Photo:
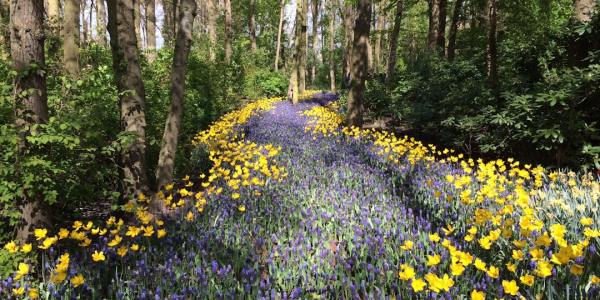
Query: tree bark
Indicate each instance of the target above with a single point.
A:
(378, 37)
(303, 47)
(71, 37)
(167, 32)
(150, 23)
(293, 90)
(252, 24)
(349, 38)
(358, 74)
(54, 13)
(279, 33)
(128, 77)
(183, 42)
(101, 22)
(315, 40)
(84, 24)
(4, 28)
(212, 28)
(450, 53)
(441, 32)
(137, 17)
(492, 47)
(31, 105)
(393, 48)
(228, 31)
(332, 45)
(583, 10)
(434, 24)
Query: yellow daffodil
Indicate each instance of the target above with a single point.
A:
(477, 295)
(98, 256)
(510, 287)
(78, 280)
(22, 271)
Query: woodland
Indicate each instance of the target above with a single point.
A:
(299, 149)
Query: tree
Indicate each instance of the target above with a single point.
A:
(279, 33)
(128, 77)
(492, 47)
(168, 8)
(101, 22)
(332, 45)
(358, 74)
(441, 31)
(31, 104)
(450, 52)
(348, 15)
(183, 42)
(437, 25)
(294, 88)
(228, 31)
(303, 54)
(252, 23)
(71, 37)
(315, 39)
(583, 10)
(4, 32)
(54, 15)
(84, 24)
(211, 27)
(137, 20)
(150, 10)
(393, 48)
(380, 21)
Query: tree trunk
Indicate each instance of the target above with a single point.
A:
(450, 53)
(101, 22)
(279, 33)
(441, 33)
(303, 48)
(293, 90)
(150, 23)
(71, 37)
(228, 31)
(434, 24)
(332, 45)
(84, 25)
(167, 8)
(349, 38)
(583, 10)
(315, 40)
(492, 47)
(4, 31)
(378, 37)
(212, 28)
(252, 24)
(54, 14)
(128, 76)
(358, 74)
(137, 19)
(183, 42)
(393, 49)
(31, 105)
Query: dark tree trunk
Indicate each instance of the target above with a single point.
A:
(128, 77)
(450, 53)
(358, 74)
(183, 42)
(441, 34)
(31, 105)
(252, 24)
(492, 47)
(393, 49)
(434, 19)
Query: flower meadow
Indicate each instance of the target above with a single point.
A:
(297, 206)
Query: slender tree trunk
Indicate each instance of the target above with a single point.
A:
(137, 19)
(378, 37)
(212, 28)
(279, 33)
(303, 48)
(183, 42)
(101, 22)
(583, 9)
(315, 40)
(31, 105)
(453, 30)
(228, 32)
(492, 48)
(434, 24)
(441, 34)
(167, 32)
(294, 89)
(252, 24)
(151, 29)
(358, 75)
(332, 45)
(393, 48)
(84, 26)
(71, 37)
(128, 76)
(4, 28)
(349, 38)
